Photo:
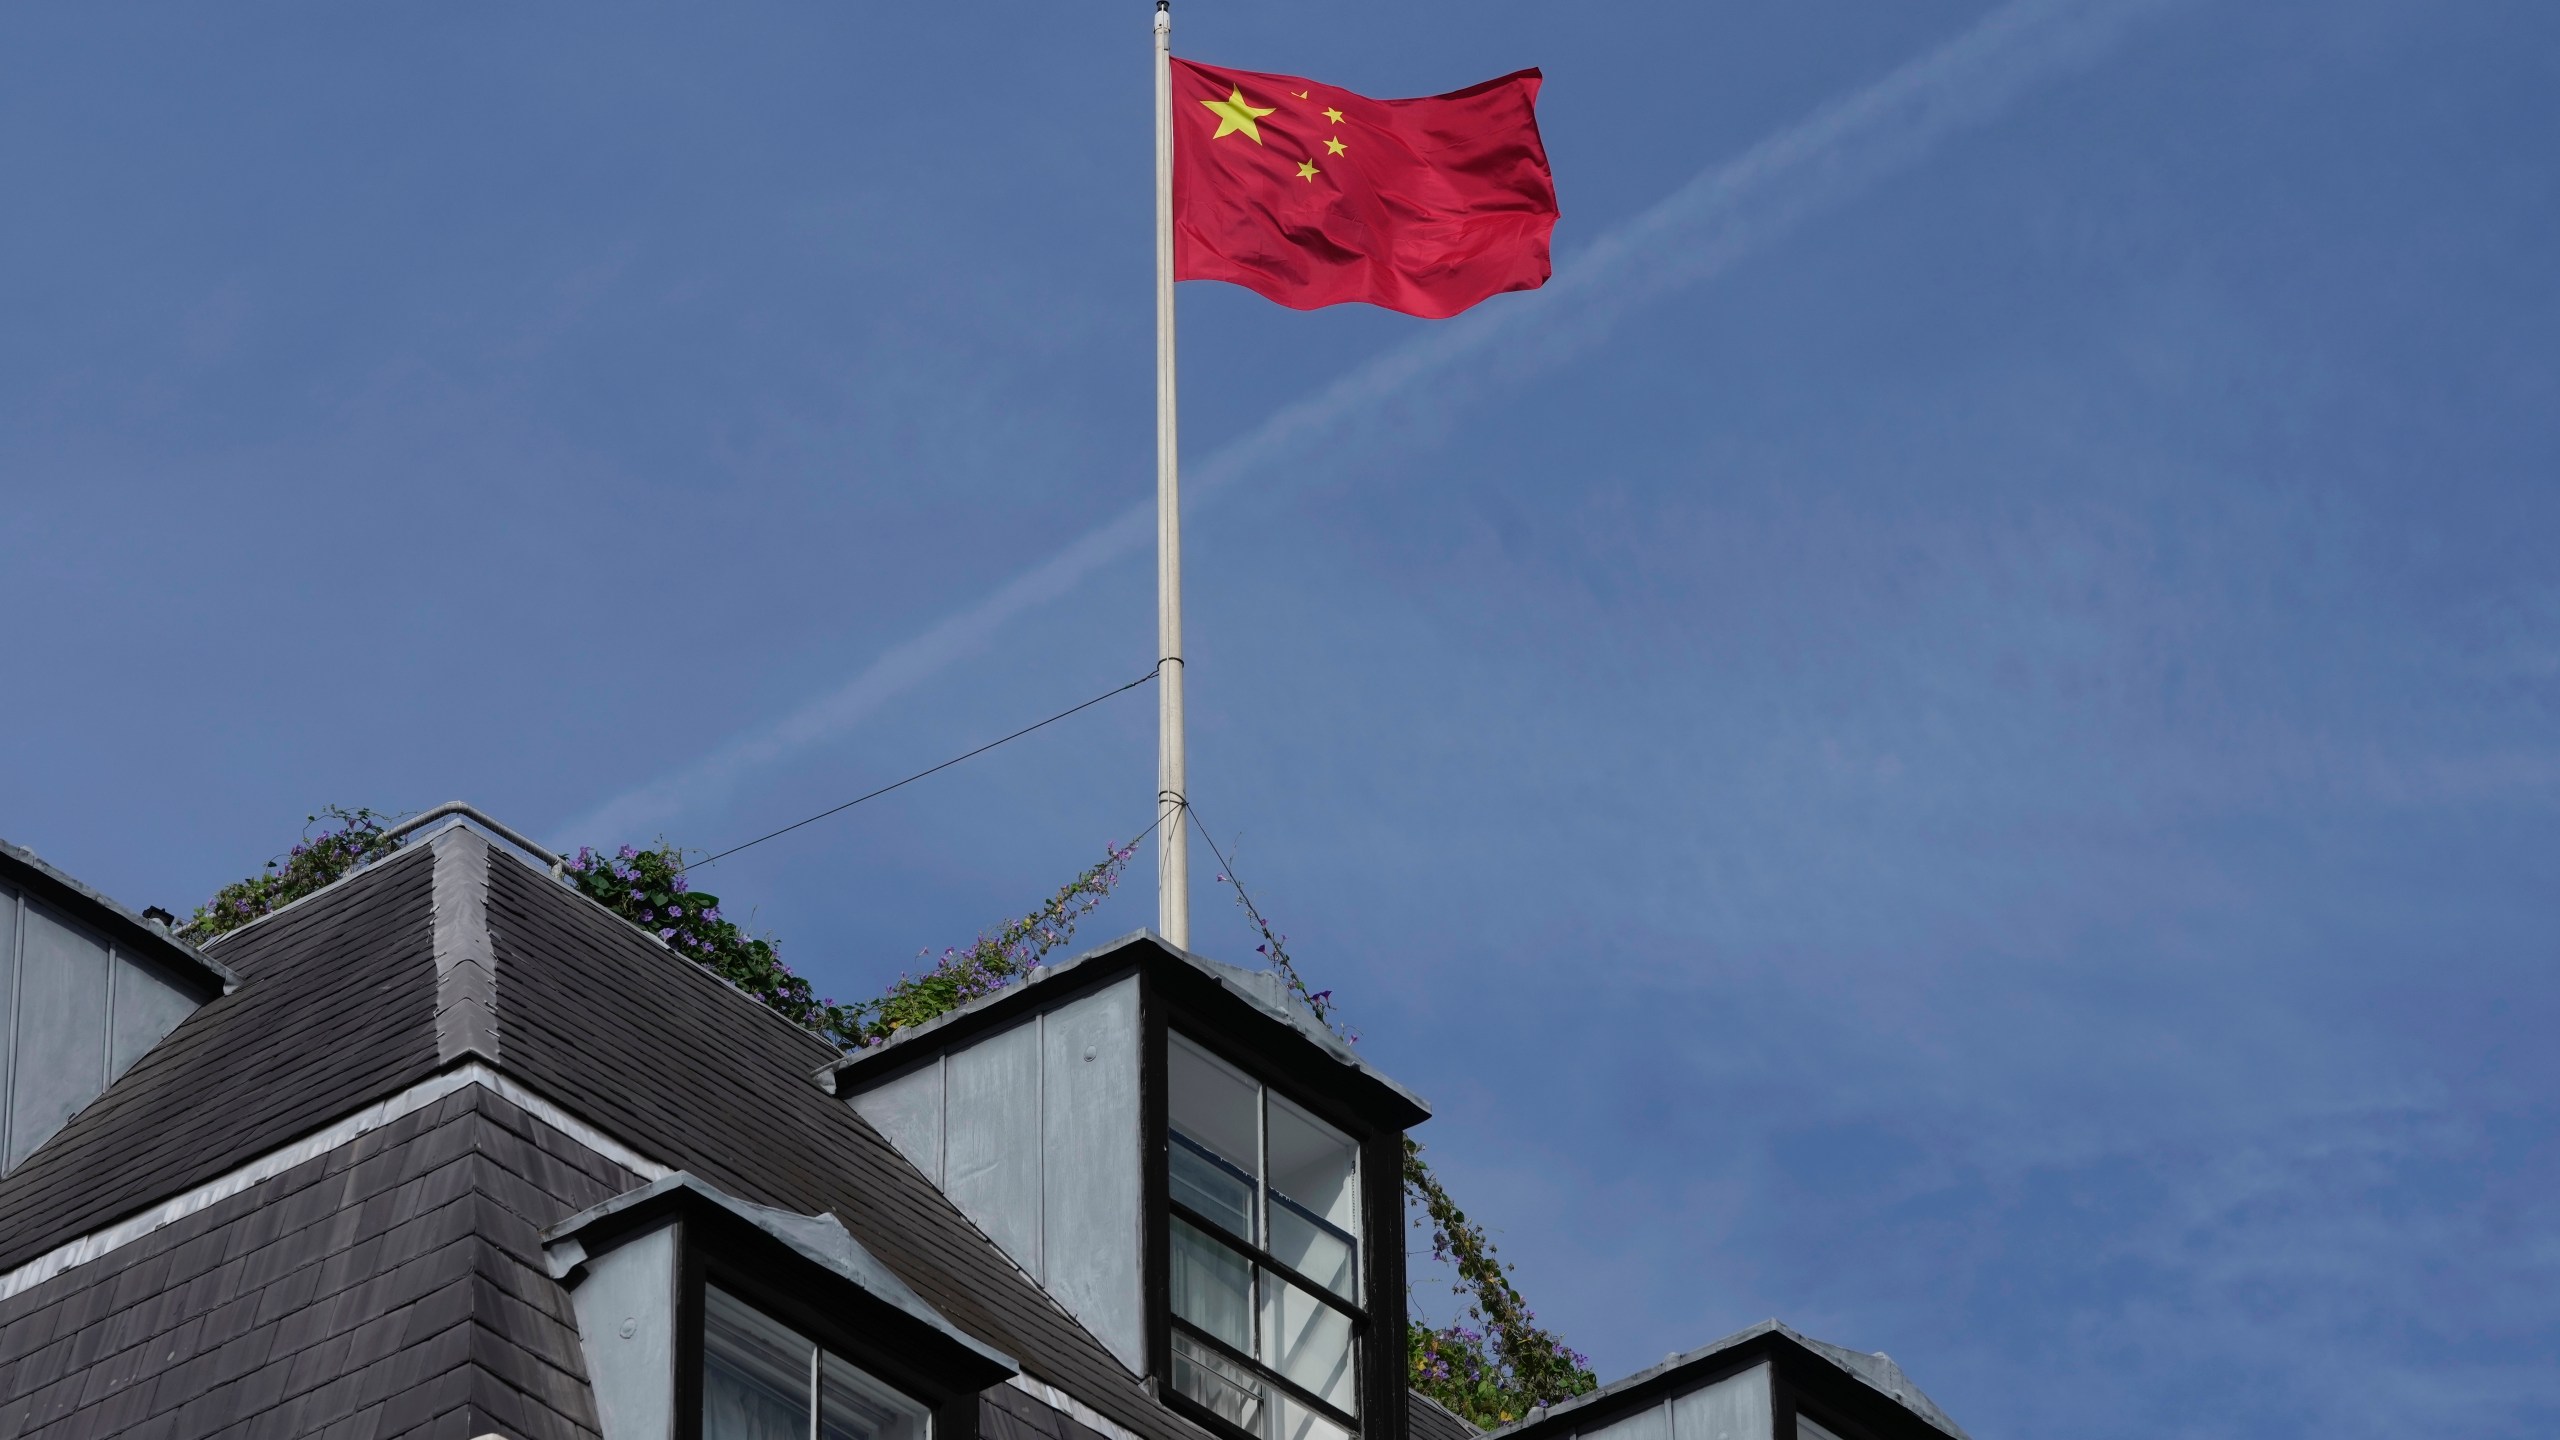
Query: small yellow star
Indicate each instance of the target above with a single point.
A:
(1301, 94)
(1235, 115)
(1307, 171)
(1329, 113)
(1334, 147)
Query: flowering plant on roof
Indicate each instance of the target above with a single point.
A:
(1493, 1370)
(348, 838)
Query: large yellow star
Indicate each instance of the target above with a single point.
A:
(1307, 171)
(1236, 116)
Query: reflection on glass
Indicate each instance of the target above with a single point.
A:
(1293, 1421)
(1231, 1392)
(1315, 1165)
(1307, 1341)
(755, 1373)
(1208, 1100)
(1212, 1287)
(1313, 1248)
(1209, 1185)
(853, 1406)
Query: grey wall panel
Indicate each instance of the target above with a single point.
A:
(626, 1326)
(1734, 1408)
(1092, 1225)
(1653, 1422)
(8, 1010)
(908, 1110)
(991, 1139)
(1807, 1430)
(147, 1008)
(61, 1059)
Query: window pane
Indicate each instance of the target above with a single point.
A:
(1315, 1165)
(1308, 1341)
(853, 1406)
(755, 1373)
(1209, 1101)
(1231, 1391)
(1314, 1249)
(1212, 1287)
(1294, 1421)
(1206, 1184)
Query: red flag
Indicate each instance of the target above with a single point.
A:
(1311, 195)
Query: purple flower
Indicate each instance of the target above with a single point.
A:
(667, 934)
(675, 912)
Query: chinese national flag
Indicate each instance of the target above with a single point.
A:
(1311, 195)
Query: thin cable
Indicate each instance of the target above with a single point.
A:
(1252, 912)
(945, 765)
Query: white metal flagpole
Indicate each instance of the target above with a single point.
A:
(1173, 840)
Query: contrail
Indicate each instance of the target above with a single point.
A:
(1697, 232)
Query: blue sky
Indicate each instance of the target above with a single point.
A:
(1949, 738)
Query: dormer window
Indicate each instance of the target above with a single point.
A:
(703, 1317)
(1264, 1234)
(1191, 1165)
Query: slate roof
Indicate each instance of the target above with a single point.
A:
(335, 1006)
(1428, 1419)
(392, 1287)
(360, 992)
(656, 1050)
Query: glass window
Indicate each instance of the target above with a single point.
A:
(755, 1373)
(1207, 1183)
(1217, 1107)
(1268, 1201)
(1212, 1287)
(1293, 1421)
(853, 1406)
(1308, 1342)
(1232, 1392)
(1315, 1165)
(762, 1380)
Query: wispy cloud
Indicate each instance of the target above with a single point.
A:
(1699, 231)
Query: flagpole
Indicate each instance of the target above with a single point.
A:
(1173, 840)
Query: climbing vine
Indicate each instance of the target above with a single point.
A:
(650, 889)
(348, 838)
(1495, 1361)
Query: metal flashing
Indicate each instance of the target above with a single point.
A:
(20, 865)
(822, 1240)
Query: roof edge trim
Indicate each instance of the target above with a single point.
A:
(1259, 989)
(19, 862)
